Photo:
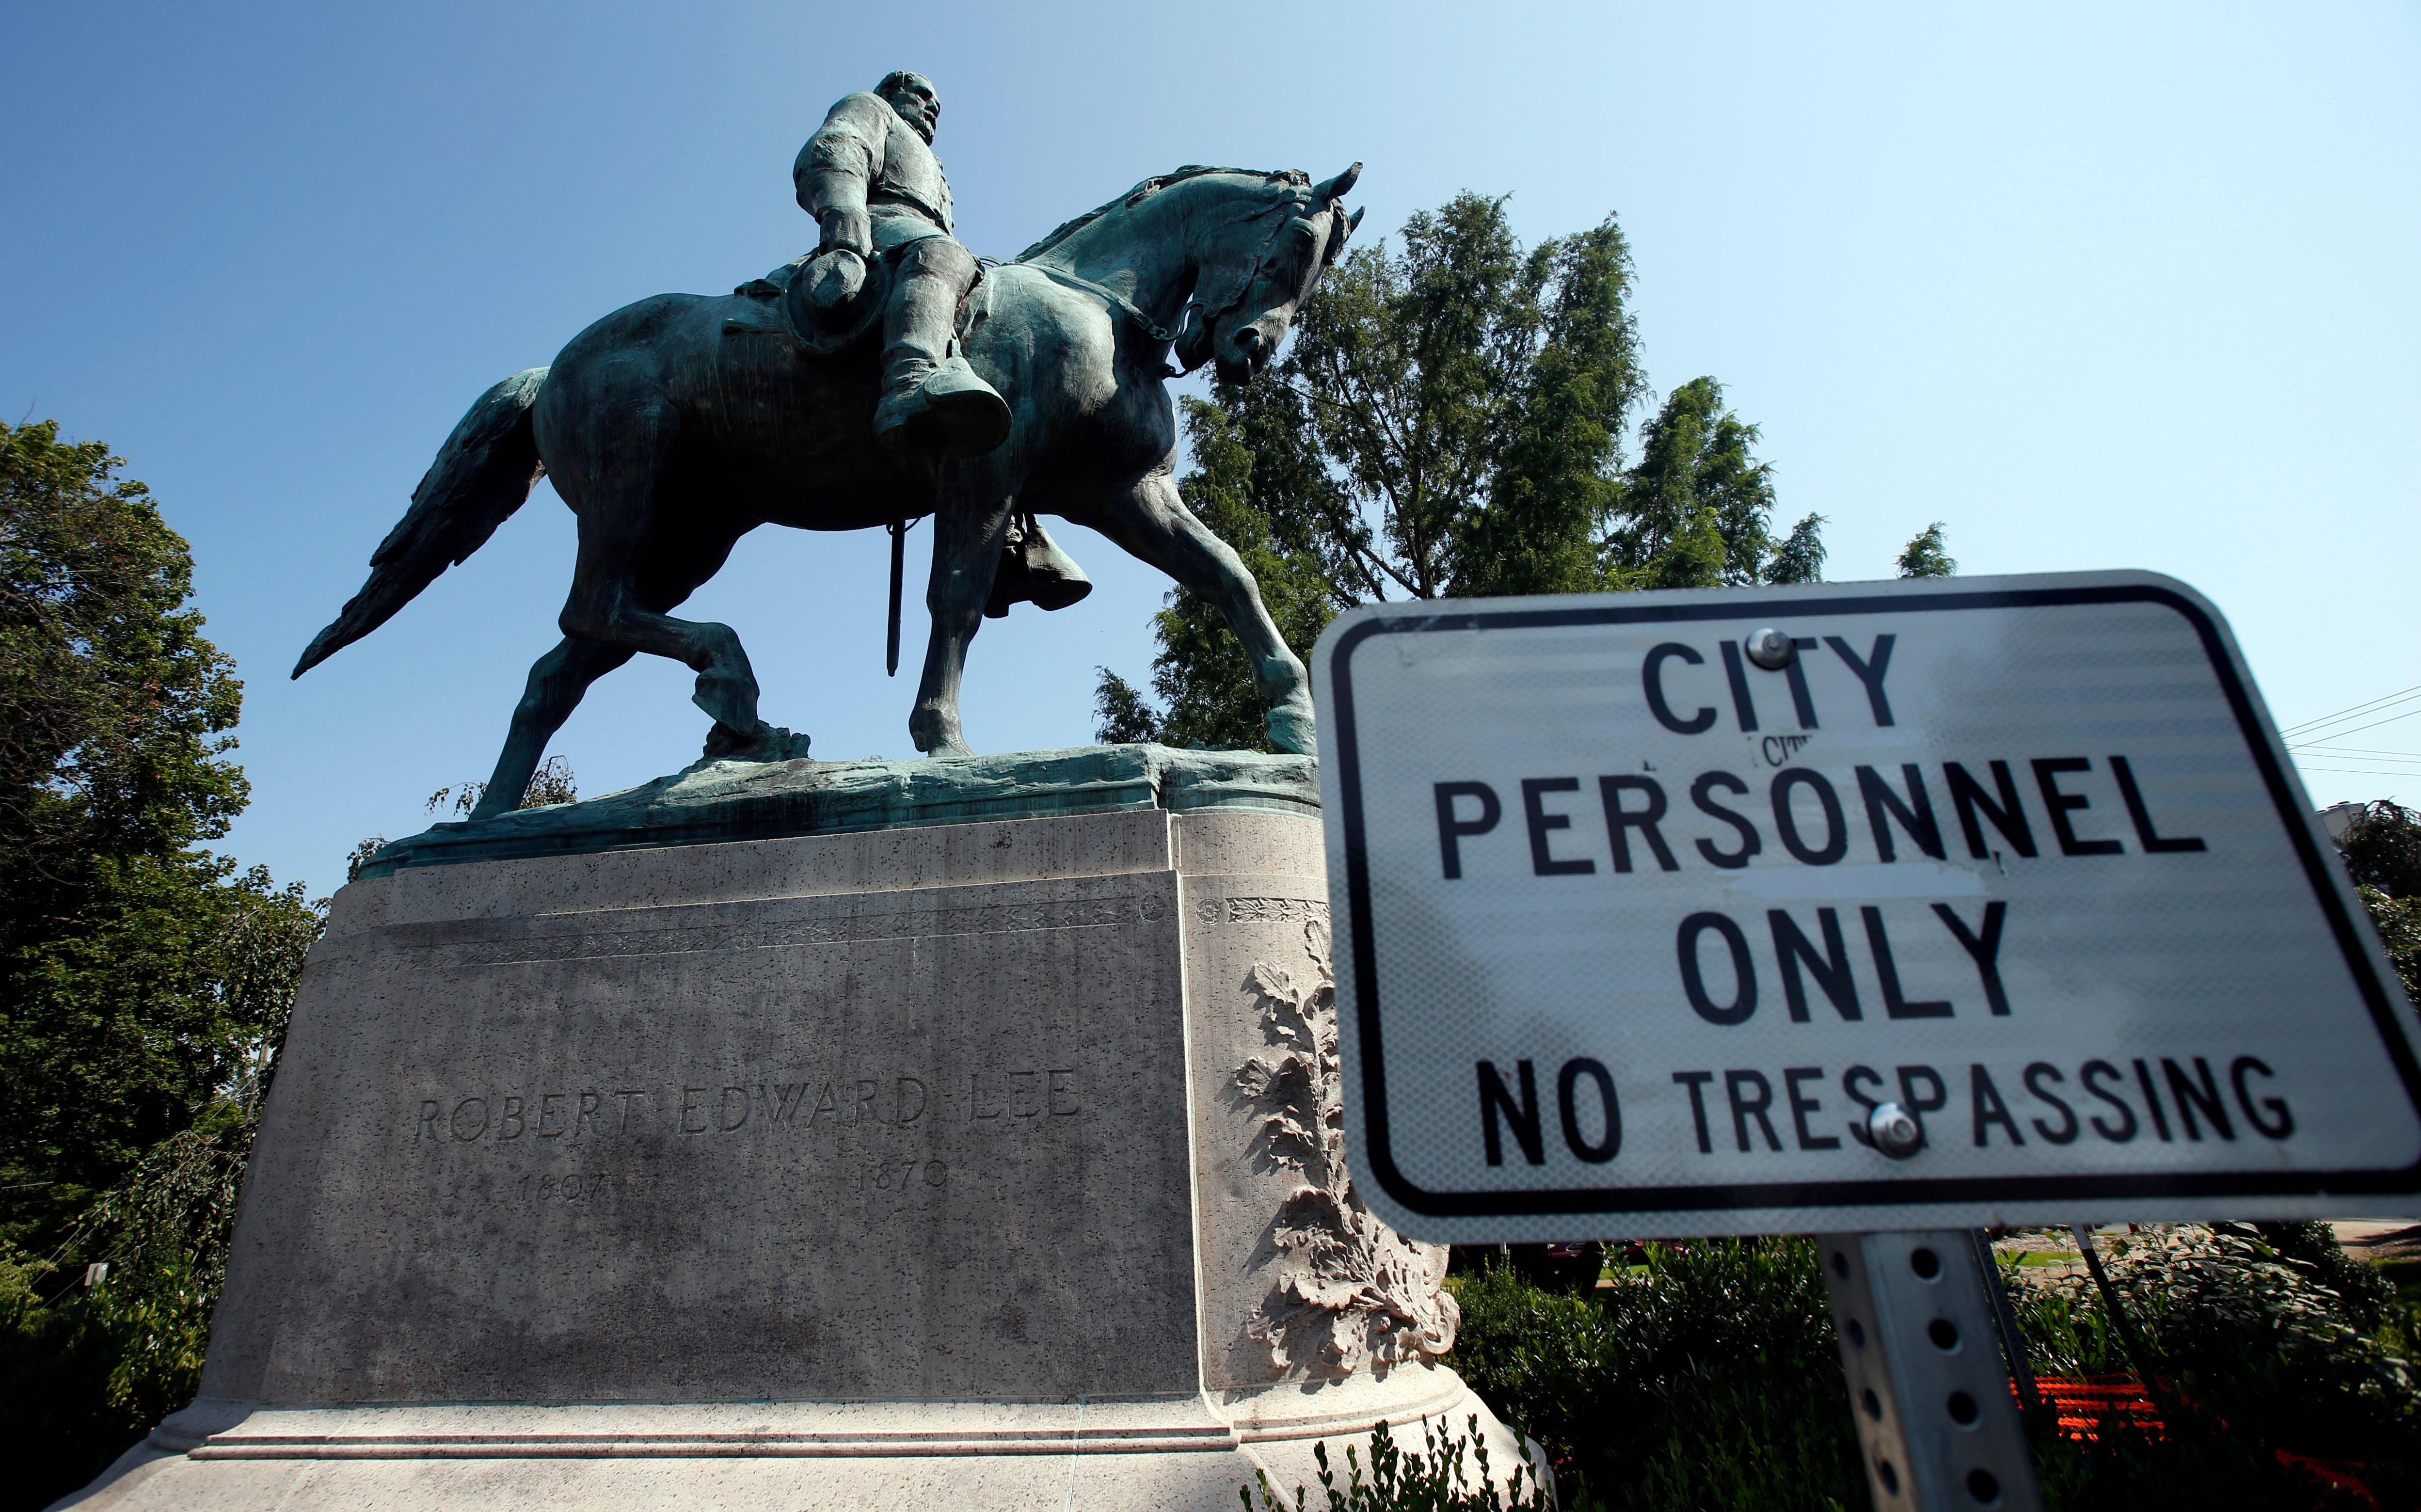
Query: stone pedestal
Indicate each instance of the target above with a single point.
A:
(985, 1164)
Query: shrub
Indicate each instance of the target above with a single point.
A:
(1433, 1480)
(2260, 1355)
(1707, 1379)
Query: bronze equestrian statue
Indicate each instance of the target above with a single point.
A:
(831, 395)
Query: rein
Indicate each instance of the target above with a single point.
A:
(1109, 296)
(1278, 218)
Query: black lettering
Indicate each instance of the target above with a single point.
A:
(1700, 794)
(2191, 1097)
(1837, 834)
(2092, 1074)
(1792, 949)
(1869, 671)
(1618, 818)
(1696, 1082)
(1918, 1107)
(1984, 949)
(1743, 1109)
(1534, 813)
(1495, 1098)
(2066, 1131)
(1451, 830)
(2008, 816)
(1802, 1105)
(1742, 704)
(2047, 770)
(1796, 670)
(2146, 836)
(1887, 973)
(1850, 1080)
(1916, 816)
(2152, 1100)
(1984, 1102)
(1611, 1141)
(2285, 1120)
(1744, 1001)
(1651, 677)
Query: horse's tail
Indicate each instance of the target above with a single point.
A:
(484, 473)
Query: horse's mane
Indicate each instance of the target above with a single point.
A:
(1154, 185)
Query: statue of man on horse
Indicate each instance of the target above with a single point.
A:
(869, 178)
(885, 377)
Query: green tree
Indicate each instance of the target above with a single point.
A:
(1449, 421)
(2382, 852)
(1923, 557)
(124, 1002)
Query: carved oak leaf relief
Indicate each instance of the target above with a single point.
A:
(1346, 1291)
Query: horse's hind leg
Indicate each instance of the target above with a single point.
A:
(558, 681)
(1152, 522)
(635, 564)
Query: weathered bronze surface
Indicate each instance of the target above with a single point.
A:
(677, 425)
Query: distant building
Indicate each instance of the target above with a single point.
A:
(2339, 817)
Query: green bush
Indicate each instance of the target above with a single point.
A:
(60, 1423)
(1438, 1479)
(2260, 1355)
(1709, 1377)
(1704, 1380)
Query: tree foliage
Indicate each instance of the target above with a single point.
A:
(128, 996)
(1449, 420)
(1924, 557)
(2382, 852)
(145, 983)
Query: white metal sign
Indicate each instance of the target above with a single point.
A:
(1639, 916)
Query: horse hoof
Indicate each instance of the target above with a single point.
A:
(1295, 731)
(768, 743)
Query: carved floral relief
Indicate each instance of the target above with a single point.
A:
(1346, 1291)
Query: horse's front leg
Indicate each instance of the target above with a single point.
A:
(970, 526)
(1152, 521)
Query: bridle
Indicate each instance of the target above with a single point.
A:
(1199, 314)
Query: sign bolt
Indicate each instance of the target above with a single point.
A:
(1894, 1130)
(1769, 648)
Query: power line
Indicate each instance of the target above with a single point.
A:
(2370, 706)
(2377, 722)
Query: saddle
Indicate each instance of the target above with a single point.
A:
(779, 306)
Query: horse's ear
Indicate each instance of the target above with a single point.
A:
(1344, 233)
(1330, 191)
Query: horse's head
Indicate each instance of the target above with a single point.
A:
(1258, 267)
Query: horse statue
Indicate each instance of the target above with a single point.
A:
(677, 425)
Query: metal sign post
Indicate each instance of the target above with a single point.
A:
(1927, 1387)
(1902, 908)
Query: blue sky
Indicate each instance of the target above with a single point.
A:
(2097, 287)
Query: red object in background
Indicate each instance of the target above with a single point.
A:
(2086, 1403)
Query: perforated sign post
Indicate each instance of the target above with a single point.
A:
(1882, 911)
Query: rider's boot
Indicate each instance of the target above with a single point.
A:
(932, 401)
(1033, 569)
